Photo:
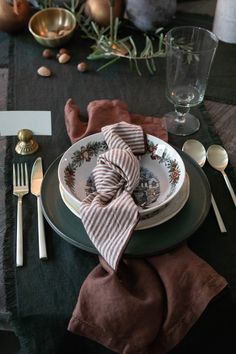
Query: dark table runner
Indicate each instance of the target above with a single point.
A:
(41, 295)
(4, 45)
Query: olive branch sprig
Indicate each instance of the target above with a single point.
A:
(108, 45)
(186, 48)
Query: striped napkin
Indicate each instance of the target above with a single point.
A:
(110, 214)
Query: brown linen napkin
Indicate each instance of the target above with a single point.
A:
(148, 305)
(105, 112)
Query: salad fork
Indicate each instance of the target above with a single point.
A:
(20, 188)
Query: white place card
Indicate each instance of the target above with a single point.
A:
(37, 121)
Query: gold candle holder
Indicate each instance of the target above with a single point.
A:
(26, 144)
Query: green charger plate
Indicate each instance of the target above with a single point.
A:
(146, 242)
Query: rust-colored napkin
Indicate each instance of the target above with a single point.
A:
(148, 305)
(105, 112)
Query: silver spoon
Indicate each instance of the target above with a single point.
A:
(196, 150)
(218, 159)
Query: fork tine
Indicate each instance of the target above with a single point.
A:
(18, 174)
(22, 182)
(14, 175)
(26, 175)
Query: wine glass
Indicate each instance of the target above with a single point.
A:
(189, 54)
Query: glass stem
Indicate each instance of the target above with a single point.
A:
(111, 21)
(181, 112)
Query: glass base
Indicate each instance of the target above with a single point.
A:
(189, 126)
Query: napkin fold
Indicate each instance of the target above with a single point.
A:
(147, 305)
(110, 214)
(106, 112)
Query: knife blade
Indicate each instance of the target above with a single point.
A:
(36, 181)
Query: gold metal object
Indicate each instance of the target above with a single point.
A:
(26, 145)
(36, 181)
(20, 188)
(99, 10)
(52, 27)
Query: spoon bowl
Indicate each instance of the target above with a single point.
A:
(218, 158)
(196, 150)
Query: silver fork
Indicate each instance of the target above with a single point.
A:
(20, 188)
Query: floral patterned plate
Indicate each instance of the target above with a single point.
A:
(162, 172)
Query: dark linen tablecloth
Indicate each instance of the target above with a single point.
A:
(41, 295)
(4, 47)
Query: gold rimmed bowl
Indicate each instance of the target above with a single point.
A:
(52, 27)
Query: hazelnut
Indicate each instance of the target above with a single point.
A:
(64, 50)
(82, 67)
(48, 53)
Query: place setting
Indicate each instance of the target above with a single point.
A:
(132, 199)
(171, 173)
(118, 225)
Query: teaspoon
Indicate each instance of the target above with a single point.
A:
(197, 151)
(218, 159)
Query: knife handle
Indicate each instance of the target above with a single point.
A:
(41, 233)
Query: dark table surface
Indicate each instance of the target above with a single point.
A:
(41, 295)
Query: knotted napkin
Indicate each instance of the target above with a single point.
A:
(110, 214)
(147, 305)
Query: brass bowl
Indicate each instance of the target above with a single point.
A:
(52, 27)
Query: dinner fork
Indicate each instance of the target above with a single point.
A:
(20, 188)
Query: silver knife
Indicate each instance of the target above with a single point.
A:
(36, 181)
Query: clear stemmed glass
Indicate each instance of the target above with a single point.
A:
(189, 54)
